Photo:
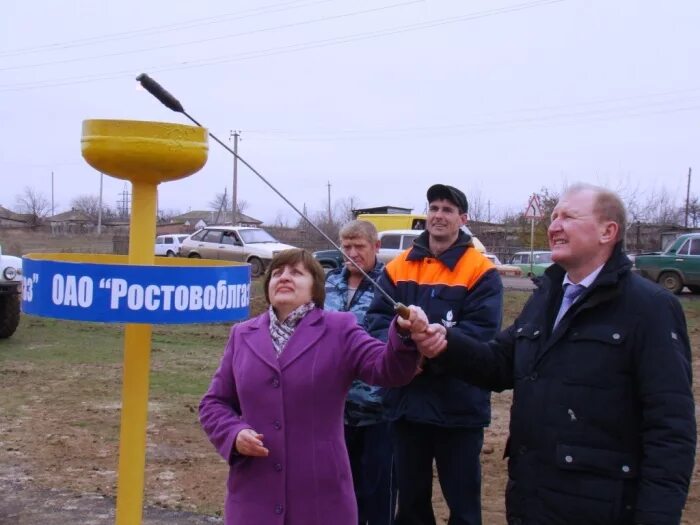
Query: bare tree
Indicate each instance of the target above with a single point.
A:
(522, 225)
(168, 214)
(33, 203)
(477, 209)
(220, 203)
(320, 219)
(242, 206)
(89, 205)
(281, 220)
(694, 211)
(632, 197)
(662, 208)
(342, 209)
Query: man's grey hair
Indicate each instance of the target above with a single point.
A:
(357, 229)
(608, 205)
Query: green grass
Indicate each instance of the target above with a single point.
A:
(41, 340)
(183, 356)
(180, 383)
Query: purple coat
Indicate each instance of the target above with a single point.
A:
(296, 401)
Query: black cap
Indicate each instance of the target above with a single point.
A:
(450, 193)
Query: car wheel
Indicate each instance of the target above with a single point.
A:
(671, 281)
(170, 253)
(256, 267)
(9, 314)
(194, 256)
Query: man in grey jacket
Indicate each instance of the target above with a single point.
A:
(366, 432)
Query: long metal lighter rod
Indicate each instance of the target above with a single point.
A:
(168, 100)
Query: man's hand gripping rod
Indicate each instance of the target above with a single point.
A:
(168, 100)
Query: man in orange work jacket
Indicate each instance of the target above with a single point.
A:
(437, 416)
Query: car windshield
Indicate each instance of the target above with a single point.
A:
(543, 258)
(256, 236)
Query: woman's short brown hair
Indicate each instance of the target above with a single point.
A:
(290, 258)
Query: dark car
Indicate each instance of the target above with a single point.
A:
(329, 259)
(676, 267)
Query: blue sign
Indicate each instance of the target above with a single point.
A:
(84, 290)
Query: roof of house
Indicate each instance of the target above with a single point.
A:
(382, 209)
(70, 216)
(12, 216)
(210, 217)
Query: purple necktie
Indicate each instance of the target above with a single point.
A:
(571, 293)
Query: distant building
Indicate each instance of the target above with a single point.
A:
(10, 219)
(72, 221)
(381, 209)
(196, 219)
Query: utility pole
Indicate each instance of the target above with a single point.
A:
(304, 226)
(234, 210)
(489, 203)
(330, 215)
(123, 203)
(53, 212)
(687, 197)
(99, 209)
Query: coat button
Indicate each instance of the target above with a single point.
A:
(534, 376)
(519, 330)
(625, 469)
(537, 332)
(522, 450)
(278, 467)
(568, 459)
(279, 509)
(276, 424)
(616, 336)
(276, 383)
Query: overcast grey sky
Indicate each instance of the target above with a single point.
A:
(380, 97)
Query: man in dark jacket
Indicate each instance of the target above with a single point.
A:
(602, 426)
(439, 417)
(366, 431)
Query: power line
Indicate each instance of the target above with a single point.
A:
(154, 30)
(461, 129)
(212, 39)
(536, 109)
(355, 37)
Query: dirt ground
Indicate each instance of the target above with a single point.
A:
(71, 473)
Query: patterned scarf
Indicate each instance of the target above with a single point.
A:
(282, 331)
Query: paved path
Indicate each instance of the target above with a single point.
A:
(517, 283)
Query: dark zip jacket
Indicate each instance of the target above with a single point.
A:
(462, 289)
(602, 427)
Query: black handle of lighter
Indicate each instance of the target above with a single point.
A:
(158, 91)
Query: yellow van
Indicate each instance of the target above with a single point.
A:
(394, 221)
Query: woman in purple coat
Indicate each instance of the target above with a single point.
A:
(274, 408)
